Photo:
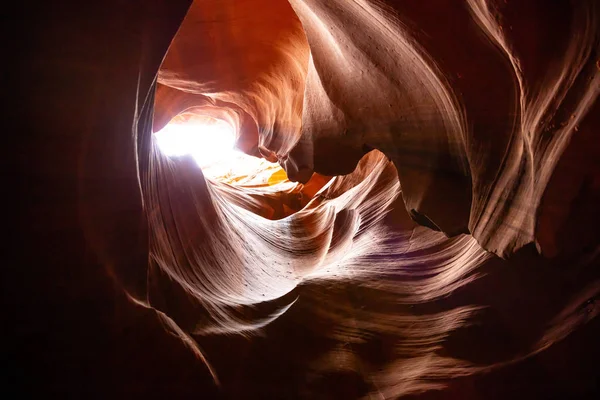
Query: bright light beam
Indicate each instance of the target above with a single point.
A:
(212, 145)
(207, 143)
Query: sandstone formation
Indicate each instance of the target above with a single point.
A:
(432, 221)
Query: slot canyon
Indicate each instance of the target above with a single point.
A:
(304, 199)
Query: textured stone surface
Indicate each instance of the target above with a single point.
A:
(439, 229)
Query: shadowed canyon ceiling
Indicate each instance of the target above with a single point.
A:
(412, 207)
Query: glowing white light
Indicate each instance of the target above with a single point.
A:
(213, 147)
(207, 143)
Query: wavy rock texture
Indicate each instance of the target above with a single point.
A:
(456, 122)
(436, 218)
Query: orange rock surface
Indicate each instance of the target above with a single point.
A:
(430, 227)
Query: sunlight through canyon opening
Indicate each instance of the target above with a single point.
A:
(212, 144)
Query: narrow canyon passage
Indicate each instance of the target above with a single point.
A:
(310, 199)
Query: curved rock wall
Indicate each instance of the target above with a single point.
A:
(442, 126)
(434, 149)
